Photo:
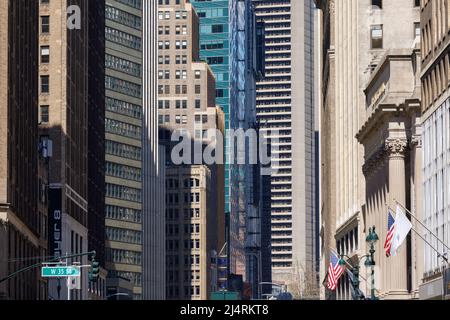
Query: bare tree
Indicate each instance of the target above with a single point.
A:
(304, 283)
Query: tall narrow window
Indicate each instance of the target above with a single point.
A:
(45, 24)
(44, 114)
(376, 34)
(45, 54)
(45, 84)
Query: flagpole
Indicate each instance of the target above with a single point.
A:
(420, 222)
(347, 265)
(440, 255)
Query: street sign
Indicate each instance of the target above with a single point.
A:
(47, 272)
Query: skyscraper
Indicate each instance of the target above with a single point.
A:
(285, 111)
(21, 232)
(71, 104)
(124, 155)
(96, 141)
(153, 166)
(215, 50)
(245, 191)
(194, 189)
(359, 180)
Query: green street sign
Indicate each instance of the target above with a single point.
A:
(47, 272)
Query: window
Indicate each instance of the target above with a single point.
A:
(44, 114)
(122, 107)
(181, 89)
(123, 171)
(45, 54)
(123, 17)
(123, 38)
(45, 24)
(417, 30)
(197, 74)
(122, 129)
(125, 87)
(45, 84)
(376, 34)
(197, 89)
(181, 30)
(123, 65)
(215, 60)
(377, 3)
(181, 74)
(217, 28)
(122, 150)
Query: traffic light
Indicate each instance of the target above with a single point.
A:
(95, 270)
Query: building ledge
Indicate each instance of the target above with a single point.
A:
(393, 89)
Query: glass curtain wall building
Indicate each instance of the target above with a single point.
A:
(245, 204)
(214, 49)
(123, 126)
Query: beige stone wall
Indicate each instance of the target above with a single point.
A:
(391, 169)
(349, 62)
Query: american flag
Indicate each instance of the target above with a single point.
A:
(335, 271)
(390, 234)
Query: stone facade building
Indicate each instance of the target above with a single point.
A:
(285, 113)
(363, 44)
(392, 166)
(23, 215)
(71, 110)
(435, 76)
(195, 190)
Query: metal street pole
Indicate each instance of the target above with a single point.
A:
(372, 271)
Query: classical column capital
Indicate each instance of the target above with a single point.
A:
(396, 148)
(332, 6)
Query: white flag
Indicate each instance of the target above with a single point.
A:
(402, 227)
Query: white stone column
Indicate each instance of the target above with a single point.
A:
(397, 271)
